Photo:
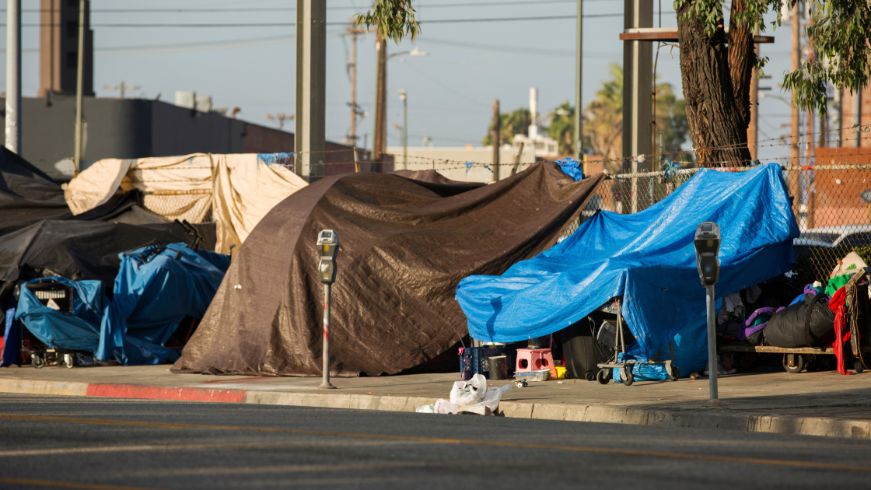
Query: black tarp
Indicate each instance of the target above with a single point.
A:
(39, 234)
(404, 247)
(27, 196)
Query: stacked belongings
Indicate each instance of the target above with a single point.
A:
(818, 318)
(648, 259)
(405, 244)
(157, 288)
(41, 237)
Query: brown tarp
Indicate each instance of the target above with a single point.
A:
(404, 248)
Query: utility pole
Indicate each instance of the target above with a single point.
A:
(857, 115)
(637, 80)
(579, 82)
(13, 76)
(753, 128)
(497, 143)
(378, 141)
(80, 70)
(403, 96)
(311, 75)
(122, 88)
(794, 136)
(809, 114)
(353, 33)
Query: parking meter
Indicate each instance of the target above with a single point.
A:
(328, 248)
(707, 243)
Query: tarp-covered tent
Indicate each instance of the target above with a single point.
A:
(235, 190)
(404, 248)
(157, 287)
(27, 196)
(647, 258)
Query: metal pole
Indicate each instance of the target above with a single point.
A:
(80, 69)
(378, 140)
(712, 343)
(311, 41)
(637, 80)
(579, 82)
(13, 76)
(328, 305)
(404, 96)
(497, 139)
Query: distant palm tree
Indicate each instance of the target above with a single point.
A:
(561, 127)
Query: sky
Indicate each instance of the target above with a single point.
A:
(243, 55)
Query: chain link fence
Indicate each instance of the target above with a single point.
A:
(832, 204)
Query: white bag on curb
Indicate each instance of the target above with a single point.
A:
(471, 396)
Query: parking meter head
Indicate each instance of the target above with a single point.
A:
(707, 243)
(328, 248)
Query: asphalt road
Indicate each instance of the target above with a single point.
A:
(88, 443)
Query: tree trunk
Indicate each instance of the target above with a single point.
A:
(718, 129)
(742, 58)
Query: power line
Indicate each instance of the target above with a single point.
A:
(502, 3)
(187, 25)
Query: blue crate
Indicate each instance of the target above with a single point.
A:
(473, 360)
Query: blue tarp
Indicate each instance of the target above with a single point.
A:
(74, 330)
(571, 167)
(648, 259)
(155, 289)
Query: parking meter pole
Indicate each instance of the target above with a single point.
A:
(712, 343)
(328, 305)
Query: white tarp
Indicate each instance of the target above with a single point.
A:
(235, 190)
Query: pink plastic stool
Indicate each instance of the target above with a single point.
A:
(533, 360)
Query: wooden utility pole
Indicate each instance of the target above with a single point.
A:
(753, 128)
(809, 116)
(353, 33)
(497, 143)
(794, 136)
(378, 143)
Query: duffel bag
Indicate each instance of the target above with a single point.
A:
(807, 324)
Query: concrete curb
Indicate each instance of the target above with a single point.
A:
(614, 414)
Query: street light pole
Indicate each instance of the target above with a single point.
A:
(13, 76)
(403, 96)
(579, 74)
(80, 70)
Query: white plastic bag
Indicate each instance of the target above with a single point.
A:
(471, 396)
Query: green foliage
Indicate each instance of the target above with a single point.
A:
(392, 19)
(603, 119)
(840, 32)
(515, 122)
(562, 127)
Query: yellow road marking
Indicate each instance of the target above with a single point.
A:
(789, 463)
(31, 482)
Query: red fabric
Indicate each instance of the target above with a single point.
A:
(838, 304)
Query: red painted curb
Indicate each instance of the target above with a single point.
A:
(165, 393)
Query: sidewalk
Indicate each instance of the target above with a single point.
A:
(819, 404)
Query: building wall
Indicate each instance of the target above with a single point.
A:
(848, 134)
(837, 200)
(136, 128)
(59, 46)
